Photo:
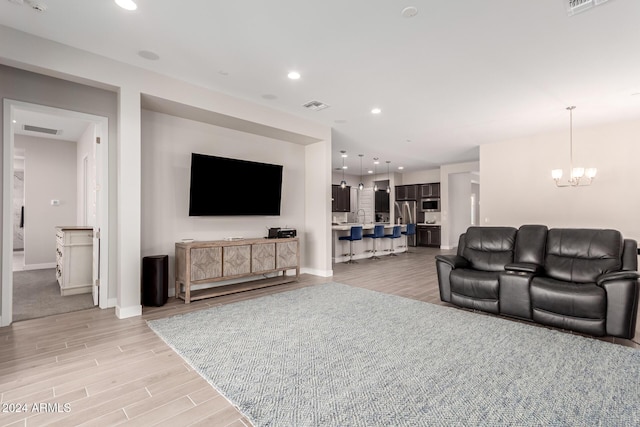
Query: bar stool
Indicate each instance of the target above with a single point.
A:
(354, 234)
(395, 235)
(411, 231)
(378, 233)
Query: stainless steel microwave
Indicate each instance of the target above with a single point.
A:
(430, 205)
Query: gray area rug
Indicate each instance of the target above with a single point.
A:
(335, 355)
(36, 293)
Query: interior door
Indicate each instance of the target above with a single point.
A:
(96, 266)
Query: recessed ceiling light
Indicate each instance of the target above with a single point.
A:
(147, 54)
(376, 111)
(14, 121)
(293, 75)
(127, 4)
(369, 171)
(409, 12)
(400, 167)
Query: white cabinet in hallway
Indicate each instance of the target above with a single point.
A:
(74, 256)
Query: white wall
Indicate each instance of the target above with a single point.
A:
(448, 239)
(517, 187)
(167, 144)
(49, 174)
(421, 177)
(459, 204)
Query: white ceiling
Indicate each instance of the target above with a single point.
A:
(68, 128)
(457, 75)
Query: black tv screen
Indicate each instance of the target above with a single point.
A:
(222, 186)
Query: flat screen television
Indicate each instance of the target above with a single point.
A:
(221, 186)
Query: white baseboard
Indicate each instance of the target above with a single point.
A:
(124, 313)
(316, 272)
(39, 266)
(112, 302)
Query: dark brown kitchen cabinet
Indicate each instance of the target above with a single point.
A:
(430, 190)
(381, 201)
(340, 199)
(428, 235)
(406, 192)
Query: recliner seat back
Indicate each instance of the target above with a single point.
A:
(489, 248)
(582, 255)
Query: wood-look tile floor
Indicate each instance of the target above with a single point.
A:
(90, 368)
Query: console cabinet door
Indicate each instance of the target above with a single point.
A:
(236, 260)
(263, 257)
(287, 254)
(206, 263)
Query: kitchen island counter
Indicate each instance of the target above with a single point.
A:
(364, 248)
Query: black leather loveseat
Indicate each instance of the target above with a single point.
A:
(584, 280)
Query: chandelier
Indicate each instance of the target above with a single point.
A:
(578, 176)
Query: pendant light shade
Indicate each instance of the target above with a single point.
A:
(388, 178)
(343, 183)
(375, 164)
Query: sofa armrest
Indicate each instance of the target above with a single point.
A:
(523, 267)
(623, 289)
(617, 275)
(455, 261)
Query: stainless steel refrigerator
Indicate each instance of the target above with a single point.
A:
(405, 213)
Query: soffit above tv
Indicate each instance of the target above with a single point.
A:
(189, 112)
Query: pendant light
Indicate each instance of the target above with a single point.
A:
(375, 163)
(343, 183)
(388, 178)
(361, 185)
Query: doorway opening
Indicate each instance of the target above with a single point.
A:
(55, 166)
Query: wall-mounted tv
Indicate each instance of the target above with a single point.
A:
(221, 186)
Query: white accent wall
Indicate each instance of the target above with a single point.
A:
(49, 174)
(517, 187)
(167, 144)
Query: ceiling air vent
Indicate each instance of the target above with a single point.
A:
(41, 130)
(315, 105)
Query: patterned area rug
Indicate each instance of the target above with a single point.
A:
(335, 355)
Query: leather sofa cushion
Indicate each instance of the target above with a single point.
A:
(530, 244)
(475, 284)
(489, 248)
(581, 255)
(580, 300)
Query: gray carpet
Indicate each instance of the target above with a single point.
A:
(335, 355)
(36, 293)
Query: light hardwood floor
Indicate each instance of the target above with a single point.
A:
(110, 372)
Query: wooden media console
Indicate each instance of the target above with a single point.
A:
(209, 262)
